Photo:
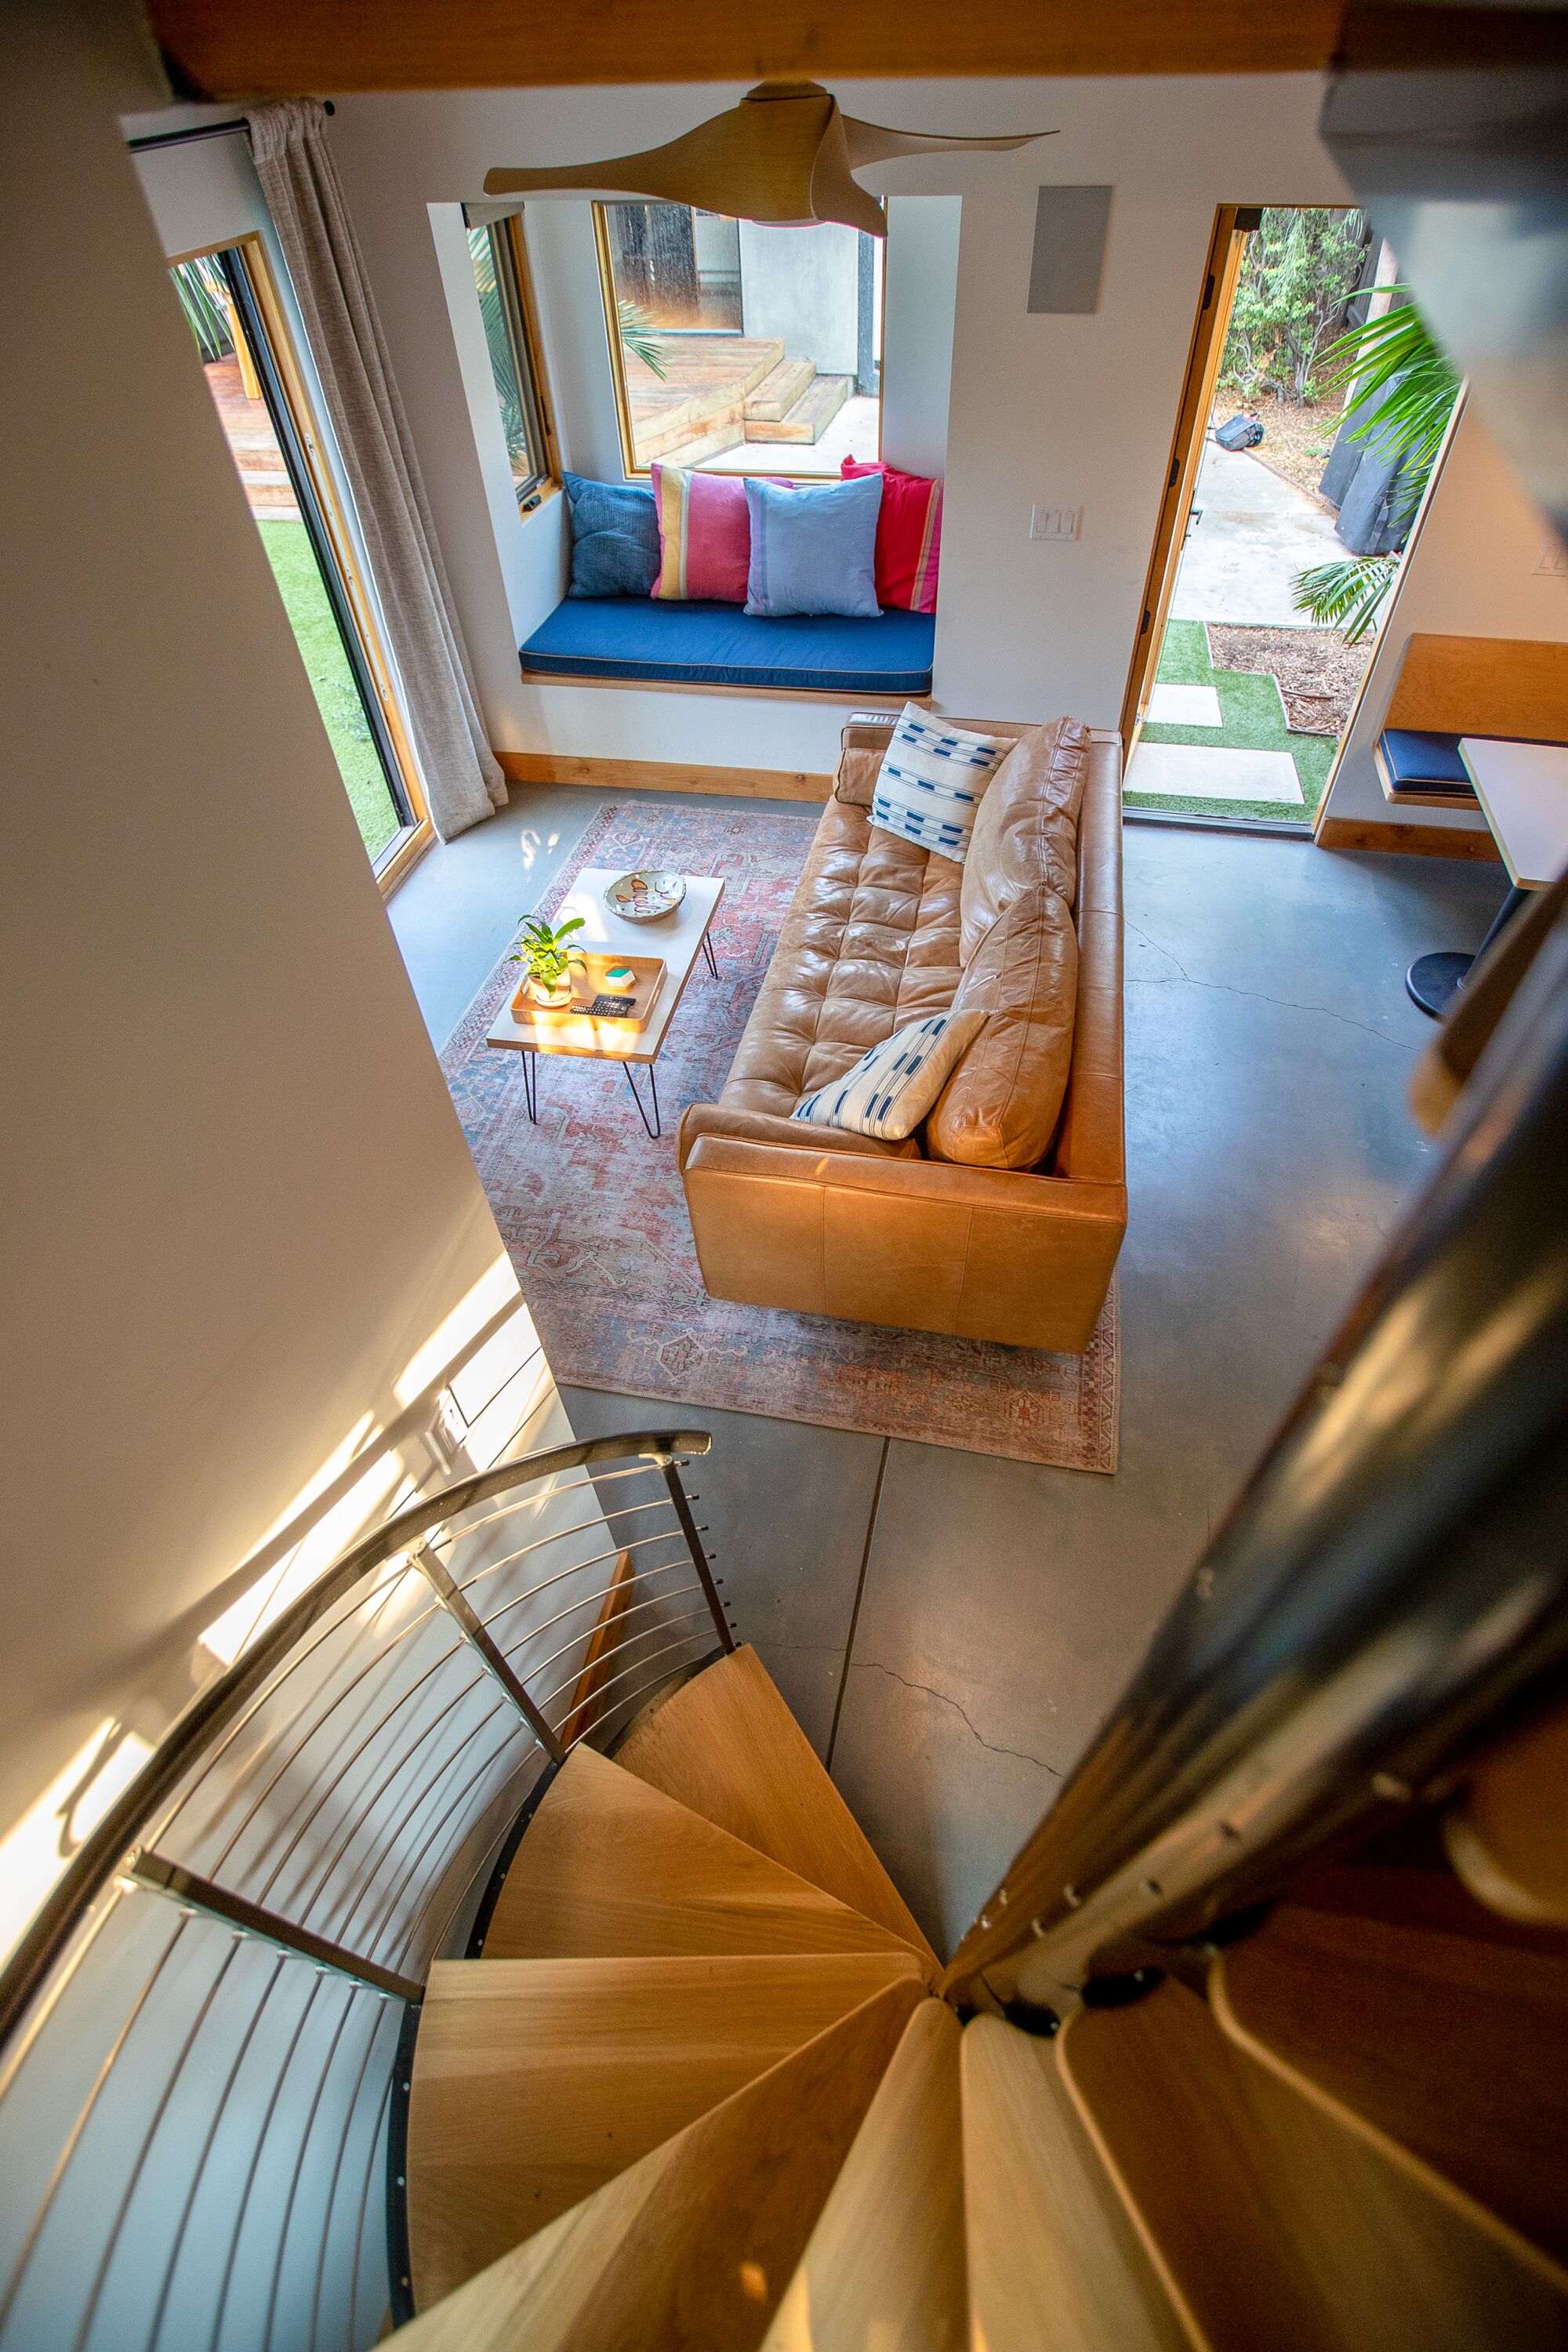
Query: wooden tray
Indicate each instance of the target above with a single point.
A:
(587, 983)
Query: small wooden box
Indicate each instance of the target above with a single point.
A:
(587, 983)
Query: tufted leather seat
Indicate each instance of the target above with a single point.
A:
(880, 934)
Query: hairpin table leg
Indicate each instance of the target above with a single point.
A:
(707, 952)
(531, 1084)
(653, 1129)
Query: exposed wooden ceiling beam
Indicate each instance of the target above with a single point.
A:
(282, 49)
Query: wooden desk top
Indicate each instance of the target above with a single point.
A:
(1523, 791)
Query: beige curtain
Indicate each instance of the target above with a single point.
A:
(303, 193)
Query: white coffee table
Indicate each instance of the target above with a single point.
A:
(679, 939)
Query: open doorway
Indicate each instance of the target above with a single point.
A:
(1312, 417)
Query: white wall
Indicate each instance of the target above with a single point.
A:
(803, 285)
(1078, 411)
(1471, 573)
(245, 1245)
(919, 300)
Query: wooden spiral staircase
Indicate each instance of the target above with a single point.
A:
(708, 2086)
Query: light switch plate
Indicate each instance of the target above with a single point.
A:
(1054, 522)
(1552, 559)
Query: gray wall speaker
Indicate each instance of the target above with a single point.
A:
(1069, 249)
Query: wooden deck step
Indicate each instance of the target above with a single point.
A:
(1281, 2224)
(1054, 2259)
(1452, 2046)
(613, 1869)
(691, 2244)
(811, 416)
(706, 383)
(885, 2264)
(728, 1747)
(778, 392)
(536, 2081)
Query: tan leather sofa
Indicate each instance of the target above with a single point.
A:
(822, 1222)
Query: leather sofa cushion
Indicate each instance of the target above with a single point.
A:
(870, 942)
(1027, 828)
(1000, 1108)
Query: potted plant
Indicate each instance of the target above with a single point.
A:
(547, 959)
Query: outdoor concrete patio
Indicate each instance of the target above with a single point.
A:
(1255, 534)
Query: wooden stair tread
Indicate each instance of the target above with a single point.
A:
(691, 2245)
(1279, 2223)
(1453, 2047)
(885, 2264)
(727, 1747)
(612, 1868)
(813, 413)
(778, 390)
(536, 2081)
(1054, 2258)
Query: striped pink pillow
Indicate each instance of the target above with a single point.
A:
(704, 535)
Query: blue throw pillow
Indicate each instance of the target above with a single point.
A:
(615, 538)
(814, 550)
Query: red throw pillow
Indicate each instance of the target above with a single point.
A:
(909, 537)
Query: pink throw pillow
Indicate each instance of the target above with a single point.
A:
(704, 535)
(909, 536)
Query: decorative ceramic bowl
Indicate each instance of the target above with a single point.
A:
(645, 896)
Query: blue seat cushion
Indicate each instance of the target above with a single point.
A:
(718, 644)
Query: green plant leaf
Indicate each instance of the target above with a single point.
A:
(639, 337)
(1348, 594)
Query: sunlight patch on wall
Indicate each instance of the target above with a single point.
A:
(495, 1290)
(36, 1852)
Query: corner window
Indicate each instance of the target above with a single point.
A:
(739, 347)
(499, 262)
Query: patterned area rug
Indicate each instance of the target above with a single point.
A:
(594, 1217)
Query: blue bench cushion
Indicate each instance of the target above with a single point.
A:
(718, 644)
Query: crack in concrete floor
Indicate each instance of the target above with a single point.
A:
(875, 1665)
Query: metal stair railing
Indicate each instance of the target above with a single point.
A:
(199, 2029)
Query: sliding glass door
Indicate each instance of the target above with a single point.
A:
(258, 389)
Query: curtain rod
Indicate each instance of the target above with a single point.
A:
(201, 131)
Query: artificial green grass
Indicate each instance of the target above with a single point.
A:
(298, 578)
(1254, 719)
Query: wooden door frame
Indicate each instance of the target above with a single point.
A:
(1233, 223)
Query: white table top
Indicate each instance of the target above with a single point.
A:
(677, 938)
(1523, 791)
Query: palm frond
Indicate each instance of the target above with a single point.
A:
(1403, 381)
(1348, 594)
(639, 337)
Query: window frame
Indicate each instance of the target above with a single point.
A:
(514, 283)
(607, 303)
(304, 456)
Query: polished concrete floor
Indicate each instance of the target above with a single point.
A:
(951, 1628)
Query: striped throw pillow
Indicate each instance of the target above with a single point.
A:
(890, 1089)
(931, 778)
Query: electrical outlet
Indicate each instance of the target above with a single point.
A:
(1054, 522)
(1552, 559)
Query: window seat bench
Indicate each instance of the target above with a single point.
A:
(639, 638)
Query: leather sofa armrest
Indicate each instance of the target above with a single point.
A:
(763, 1127)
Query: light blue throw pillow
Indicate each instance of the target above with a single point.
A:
(814, 550)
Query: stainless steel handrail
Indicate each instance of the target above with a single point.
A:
(214, 1709)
